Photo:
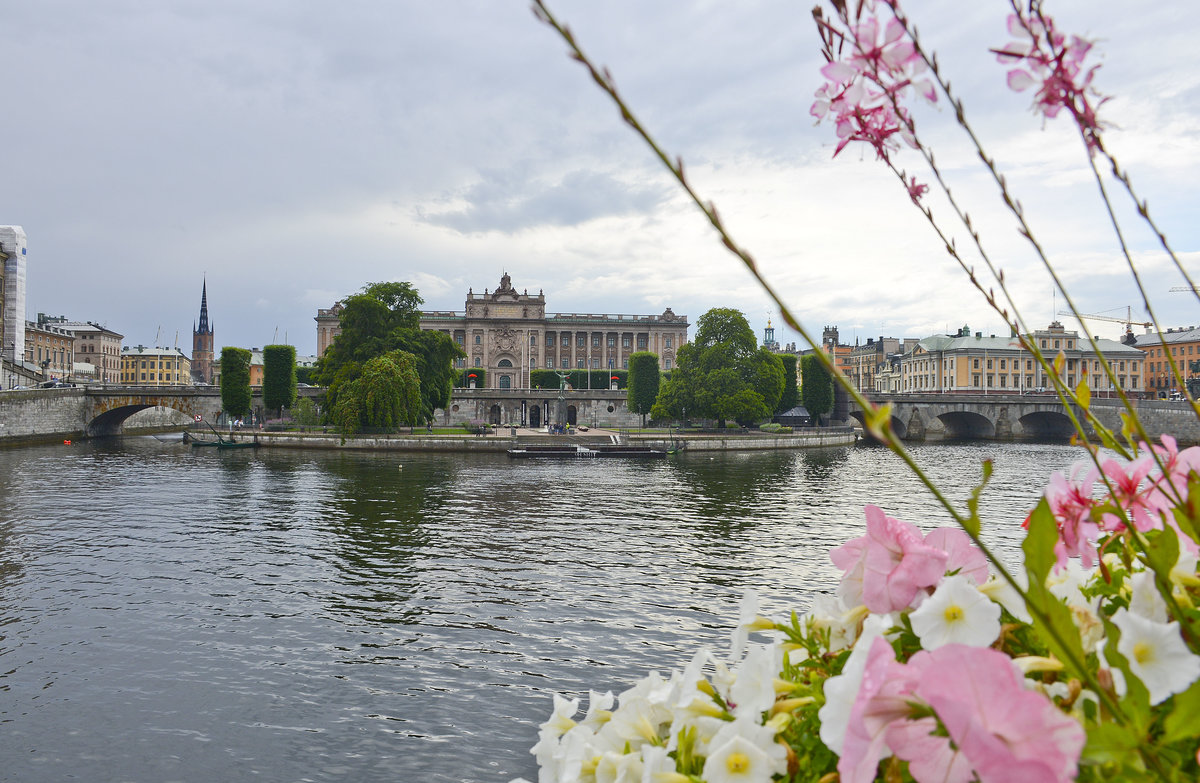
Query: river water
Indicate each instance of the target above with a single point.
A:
(177, 614)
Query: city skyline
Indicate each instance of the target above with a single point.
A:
(290, 160)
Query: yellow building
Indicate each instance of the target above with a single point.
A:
(142, 366)
(975, 364)
(50, 347)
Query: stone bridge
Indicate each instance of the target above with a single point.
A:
(101, 409)
(928, 417)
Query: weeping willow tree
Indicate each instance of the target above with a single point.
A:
(385, 395)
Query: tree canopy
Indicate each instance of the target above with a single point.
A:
(816, 387)
(722, 374)
(279, 377)
(791, 389)
(381, 319)
(644, 380)
(235, 381)
(384, 395)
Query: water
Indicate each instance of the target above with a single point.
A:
(177, 614)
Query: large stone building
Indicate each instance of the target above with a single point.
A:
(508, 333)
(202, 342)
(96, 345)
(978, 364)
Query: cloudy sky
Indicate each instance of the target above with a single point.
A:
(290, 152)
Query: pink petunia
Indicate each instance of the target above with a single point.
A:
(891, 562)
(1071, 502)
(962, 555)
(1005, 731)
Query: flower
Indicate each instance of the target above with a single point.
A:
(962, 556)
(744, 752)
(841, 691)
(1157, 654)
(1070, 500)
(887, 566)
(956, 613)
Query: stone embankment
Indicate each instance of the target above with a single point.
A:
(504, 440)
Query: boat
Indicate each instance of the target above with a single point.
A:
(236, 444)
(571, 450)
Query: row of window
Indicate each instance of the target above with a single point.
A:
(1175, 351)
(566, 364)
(1013, 381)
(581, 341)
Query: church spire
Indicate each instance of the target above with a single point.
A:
(203, 327)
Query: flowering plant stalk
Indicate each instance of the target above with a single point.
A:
(936, 661)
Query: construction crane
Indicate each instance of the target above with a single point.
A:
(1185, 288)
(1127, 320)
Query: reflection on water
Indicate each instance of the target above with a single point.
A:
(169, 613)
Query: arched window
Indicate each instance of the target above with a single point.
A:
(504, 363)
(505, 382)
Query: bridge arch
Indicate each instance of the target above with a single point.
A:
(1046, 425)
(898, 425)
(967, 424)
(112, 420)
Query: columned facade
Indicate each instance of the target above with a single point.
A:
(508, 334)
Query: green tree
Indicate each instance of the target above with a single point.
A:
(235, 381)
(279, 377)
(644, 380)
(385, 317)
(723, 374)
(791, 389)
(386, 394)
(816, 387)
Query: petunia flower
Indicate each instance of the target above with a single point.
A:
(956, 613)
(962, 555)
(744, 752)
(892, 562)
(841, 690)
(1157, 654)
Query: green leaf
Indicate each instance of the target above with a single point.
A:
(1084, 395)
(1050, 616)
(1162, 553)
(1111, 743)
(1184, 720)
(972, 523)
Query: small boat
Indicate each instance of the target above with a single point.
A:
(236, 444)
(600, 450)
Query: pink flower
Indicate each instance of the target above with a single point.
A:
(863, 91)
(998, 730)
(962, 555)
(887, 566)
(1054, 64)
(1129, 494)
(1005, 731)
(916, 190)
(1071, 502)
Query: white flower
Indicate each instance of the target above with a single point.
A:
(841, 691)
(658, 767)
(1065, 584)
(1157, 654)
(749, 620)
(619, 768)
(1144, 598)
(744, 752)
(753, 691)
(599, 710)
(831, 613)
(956, 613)
(1003, 593)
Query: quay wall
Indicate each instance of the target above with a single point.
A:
(42, 415)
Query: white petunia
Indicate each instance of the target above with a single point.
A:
(659, 767)
(749, 621)
(956, 613)
(1000, 591)
(619, 768)
(744, 752)
(1157, 655)
(1066, 584)
(753, 691)
(599, 710)
(830, 613)
(842, 690)
(1144, 598)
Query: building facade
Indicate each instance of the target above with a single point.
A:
(50, 347)
(12, 333)
(142, 366)
(1183, 350)
(202, 342)
(509, 333)
(96, 345)
(975, 364)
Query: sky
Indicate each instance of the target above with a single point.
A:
(290, 152)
